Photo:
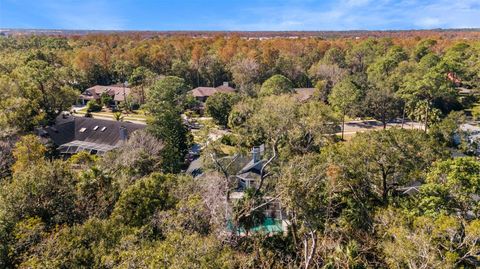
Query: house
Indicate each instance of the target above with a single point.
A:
(247, 177)
(74, 134)
(303, 94)
(202, 93)
(118, 93)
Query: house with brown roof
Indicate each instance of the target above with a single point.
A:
(202, 93)
(118, 92)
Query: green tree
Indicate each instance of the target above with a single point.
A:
(219, 106)
(452, 187)
(382, 105)
(28, 151)
(26, 235)
(165, 103)
(446, 130)
(361, 55)
(93, 106)
(168, 127)
(45, 190)
(141, 79)
(383, 160)
(96, 193)
(247, 212)
(344, 98)
(45, 85)
(168, 91)
(335, 56)
(276, 85)
(444, 241)
(426, 87)
(423, 48)
(86, 245)
(139, 202)
(105, 99)
(19, 113)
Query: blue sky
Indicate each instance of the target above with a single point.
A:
(239, 15)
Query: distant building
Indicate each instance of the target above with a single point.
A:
(118, 92)
(74, 134)
(202, 93)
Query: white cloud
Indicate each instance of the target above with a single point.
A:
(362, 14)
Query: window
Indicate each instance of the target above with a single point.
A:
(95, 128)
(103, 129)
(82, 130)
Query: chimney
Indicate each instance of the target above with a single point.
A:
(256, 154)
(123, 134)
(225, 83)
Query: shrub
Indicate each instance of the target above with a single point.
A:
(93, 106)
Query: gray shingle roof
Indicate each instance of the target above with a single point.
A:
(100, 133)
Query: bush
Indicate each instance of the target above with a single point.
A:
(229, 140)
(134, 106)
(93, 106)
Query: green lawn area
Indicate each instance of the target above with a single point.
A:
(138, 115)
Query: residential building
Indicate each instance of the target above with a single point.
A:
(202, 93)
(119, 93)
(74, 134)
(247, 177)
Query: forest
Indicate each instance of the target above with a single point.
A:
(391, 197)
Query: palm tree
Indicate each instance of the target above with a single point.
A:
(118, 116)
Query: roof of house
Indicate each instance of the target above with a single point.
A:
(209, 91)
(118, 92)
(304, 94)
(203, 91)
(89, 132)
(225, 88)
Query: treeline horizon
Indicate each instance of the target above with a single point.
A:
(473, 33)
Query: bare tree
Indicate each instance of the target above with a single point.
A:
(140, 155)
(245, 74)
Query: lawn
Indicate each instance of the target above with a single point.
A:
(137, 115)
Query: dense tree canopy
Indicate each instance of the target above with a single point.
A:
(276, 85)
(391, 197)
(219, 106)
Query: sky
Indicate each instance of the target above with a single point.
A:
(241, 15)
